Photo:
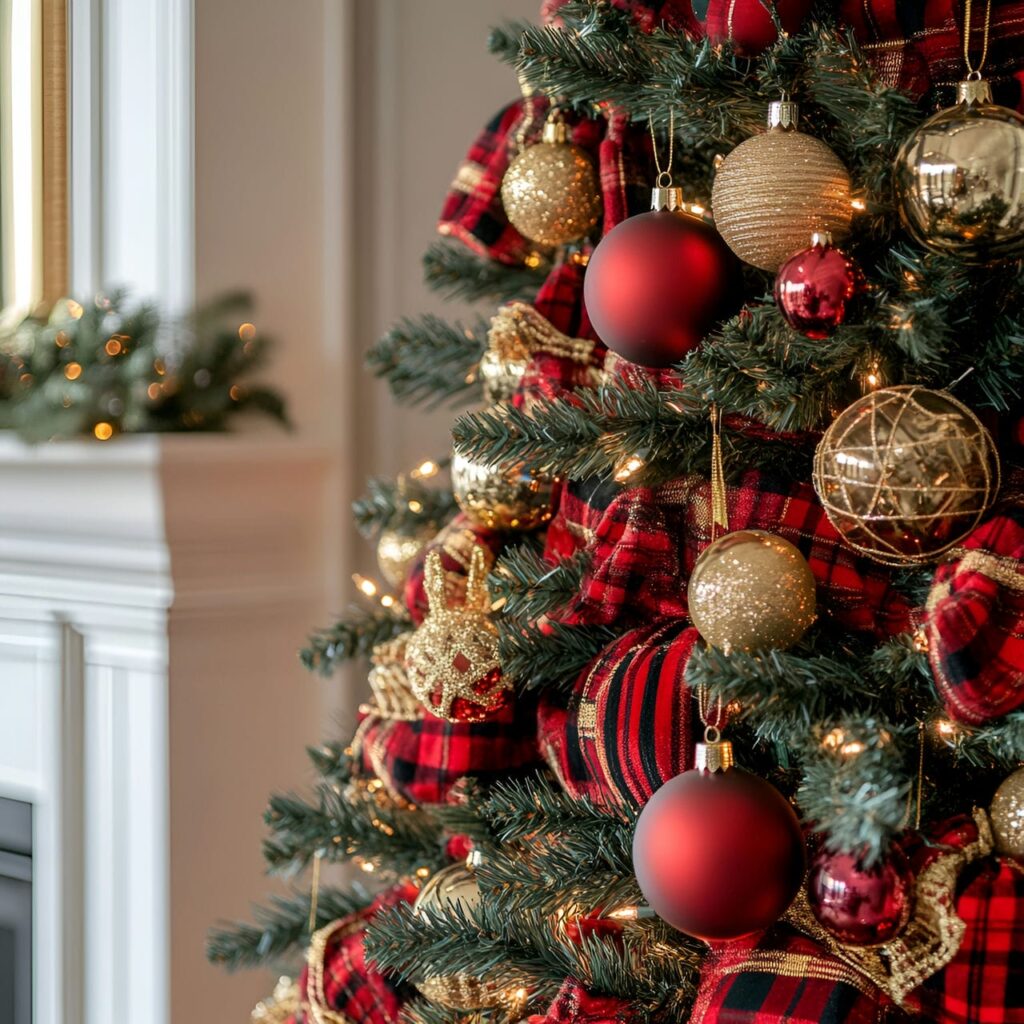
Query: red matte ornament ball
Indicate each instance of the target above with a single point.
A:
(861, 906)
(656, 285)
(718, 855)
(814, 288)
(747, 24)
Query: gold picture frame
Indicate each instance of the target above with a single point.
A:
(34, 199)
(55, 149)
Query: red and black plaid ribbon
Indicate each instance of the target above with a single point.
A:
(629, 725)
(984, 983)
(975, 620)
(424, 759)
(575, 1005)
(645, 541)
(918, 46)
(784, 977)
(338, 985)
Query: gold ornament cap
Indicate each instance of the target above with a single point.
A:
(973, 91)
(555, 132)
(821, 239)
(667, 198)
(783, 114)
(714, 754)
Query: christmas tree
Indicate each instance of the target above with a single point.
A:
(699, 695)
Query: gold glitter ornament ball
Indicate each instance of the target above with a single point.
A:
(499, 497)
(960, 179)
(396, 551)
(1007, 815)
(772, 192)
(454, 888)
(752, 590)
(904, 473)
(550, 190)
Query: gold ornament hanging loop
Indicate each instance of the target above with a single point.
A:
(719, 504)
(664, 179)
(974, 73)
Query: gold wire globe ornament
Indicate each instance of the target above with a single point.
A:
(776, 189)
(454, 888)
(905, 473)
(550, 191)
(501, 497)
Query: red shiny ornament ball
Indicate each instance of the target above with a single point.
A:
(492, 701)
(813, 289)
(861, 906)
(747, 24)
(657, 283)
(718, 855)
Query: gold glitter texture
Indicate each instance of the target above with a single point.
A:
(774, 191)
(550, 191)
(453, 655)
(454, 888)
(499, 497)
(1007, 815)
(906, 473)
(751, 590)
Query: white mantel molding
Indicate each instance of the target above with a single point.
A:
(119, 561)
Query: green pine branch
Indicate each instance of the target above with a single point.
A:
(281, 929)
(459, 273)
(858, 790)
(429, 362)
(106, 367)
(354, 636)
(406, 504)
(342, 822)
(525, 586)
(548, 657)
(522, 950)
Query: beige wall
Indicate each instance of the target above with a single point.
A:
(326, 134)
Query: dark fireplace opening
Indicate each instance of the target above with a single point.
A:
(15, 911)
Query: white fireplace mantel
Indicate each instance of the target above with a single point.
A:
(152, 594)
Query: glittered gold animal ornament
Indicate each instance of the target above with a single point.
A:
(452, 658)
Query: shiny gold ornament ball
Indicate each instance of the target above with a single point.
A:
(454, 887)
(396, 551)
(550, 190)
(1007, 815)
(751, 590)
(904, 473)
(772, 192)
(501, 498)
(500, 375)
(960, 179)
